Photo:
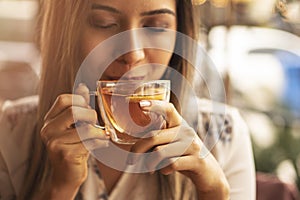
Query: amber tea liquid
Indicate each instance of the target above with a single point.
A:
(126, 116)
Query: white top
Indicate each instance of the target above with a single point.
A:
(232, 149)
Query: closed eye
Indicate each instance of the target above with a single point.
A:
(105, 26)
(156, 29)
(101, 23)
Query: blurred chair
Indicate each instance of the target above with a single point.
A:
(17, 80)
(19, 69)
(269, 187)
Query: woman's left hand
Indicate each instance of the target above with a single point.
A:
(179, 148)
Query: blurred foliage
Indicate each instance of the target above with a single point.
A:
(285, 147)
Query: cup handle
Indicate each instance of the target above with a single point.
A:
(98, 126)
(94, 93)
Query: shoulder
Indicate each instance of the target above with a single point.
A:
(17, 114)
(226, 136)
(17, 120)
(17, 117)
(17, 124)
(222, 128)
(12, 110)
(218, 120)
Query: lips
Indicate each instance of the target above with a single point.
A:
(136, 78)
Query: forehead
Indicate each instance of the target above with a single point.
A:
(137, 6)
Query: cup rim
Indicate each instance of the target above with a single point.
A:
(134, 81)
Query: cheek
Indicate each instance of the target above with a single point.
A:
(88, 43)
(159, 56)
(91, 39)
(92, 57)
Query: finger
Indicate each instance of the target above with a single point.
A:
(165, 109)
(63, 102)
(94, 144)
(79, 134)
(155, 138)
(69, 117)
(56, 146)
(185, 163)
(88, 131)
(152, 140)
(183, 134)
(83, 90)
(163, 152)
(75, 151)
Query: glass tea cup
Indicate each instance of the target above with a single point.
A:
(119, 103)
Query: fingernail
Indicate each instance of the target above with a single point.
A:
(107, 133)
(81, 84)
(145, 103)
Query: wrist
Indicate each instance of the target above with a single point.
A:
(66, 192)
(63, 189)
(54, 189)
(219, 191)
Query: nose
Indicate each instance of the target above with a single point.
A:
(133, 46)
(132, 58)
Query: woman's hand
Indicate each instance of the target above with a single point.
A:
(67, 151)
(178, 148)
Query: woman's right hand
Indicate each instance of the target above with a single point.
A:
(67, 151)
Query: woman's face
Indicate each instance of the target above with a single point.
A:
(107, 18)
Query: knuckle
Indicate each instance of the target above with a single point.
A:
(170, 108)
(80, 99)
(151, 138)
(195, 146)
(67, 155)
(62, 99)
(45, 133)
(52, 145)
(189, 132)
(173, 166)
(71, 111)
(160, 152)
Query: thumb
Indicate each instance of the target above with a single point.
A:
(83, 90)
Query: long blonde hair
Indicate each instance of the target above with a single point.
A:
(59, 28)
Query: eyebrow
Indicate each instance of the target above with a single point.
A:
(107, 8)
(147, 13)
(159, 11)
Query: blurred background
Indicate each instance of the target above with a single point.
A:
(255, 46)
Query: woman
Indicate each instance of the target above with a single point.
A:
(60, 167)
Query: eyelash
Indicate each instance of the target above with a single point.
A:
(104, 26)
(156, 29)
(94, 23)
